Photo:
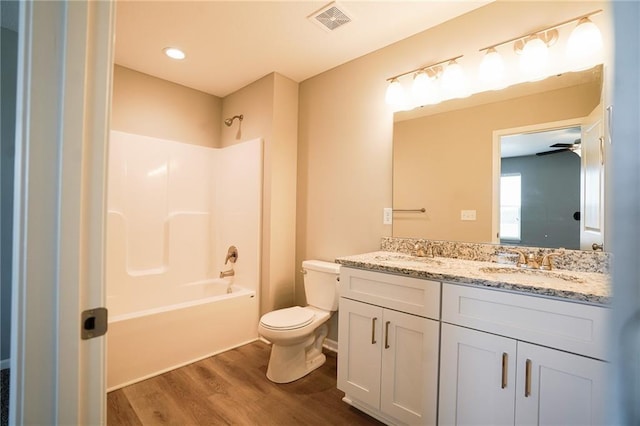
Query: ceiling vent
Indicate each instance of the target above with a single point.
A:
(330, 17)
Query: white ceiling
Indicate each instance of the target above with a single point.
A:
(230, 44)
(533, 143)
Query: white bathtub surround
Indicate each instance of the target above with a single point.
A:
(161, 340)
(173, 211)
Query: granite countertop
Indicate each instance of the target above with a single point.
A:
(585, 287)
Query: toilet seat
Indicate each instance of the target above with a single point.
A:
(288, 318)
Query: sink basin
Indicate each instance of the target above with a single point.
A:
(530, 275)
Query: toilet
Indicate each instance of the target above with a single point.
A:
(297, 333)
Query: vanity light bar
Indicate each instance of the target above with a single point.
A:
(446, 61)
(544, 30)
(452, 83)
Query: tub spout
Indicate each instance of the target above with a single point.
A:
(227, 273)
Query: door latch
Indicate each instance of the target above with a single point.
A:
(94, 323)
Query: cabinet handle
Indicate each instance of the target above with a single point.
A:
(505, 361)
(386, 334)
(373, 330)
(527, 380)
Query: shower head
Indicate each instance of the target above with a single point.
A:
(229, 121)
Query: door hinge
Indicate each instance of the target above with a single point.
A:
(94, 323)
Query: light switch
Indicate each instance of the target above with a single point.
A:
(467, 215)
(387, 216)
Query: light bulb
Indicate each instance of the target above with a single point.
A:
(395, 95)
(534, 59)
(491, 70)
(425, 90)
(584, 45)
(454, 81)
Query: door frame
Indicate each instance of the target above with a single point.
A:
(593, 235)
(65, 66)
(497, 162)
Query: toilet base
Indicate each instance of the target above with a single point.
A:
(292, 362)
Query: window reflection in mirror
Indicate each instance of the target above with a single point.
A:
(510, 207)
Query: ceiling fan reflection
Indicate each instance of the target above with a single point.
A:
(563, 147)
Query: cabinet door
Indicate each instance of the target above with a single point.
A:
(409, 368)
(477, 377)
(558, 388)
(360, 342)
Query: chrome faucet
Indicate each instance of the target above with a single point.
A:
(227, 273)
(532, 261)
(529, 261)
(547, 263)
(421, 251)
(522, 259)
(232, 255)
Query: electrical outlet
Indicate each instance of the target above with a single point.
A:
(387, 216)
(467, 215)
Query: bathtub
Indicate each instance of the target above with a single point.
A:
(150, 342)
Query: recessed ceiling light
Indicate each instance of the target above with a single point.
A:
(174, 53)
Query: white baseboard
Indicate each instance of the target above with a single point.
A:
(331, 345)
(5, 363)
(373, 412)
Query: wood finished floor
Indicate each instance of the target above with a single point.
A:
(231, 388)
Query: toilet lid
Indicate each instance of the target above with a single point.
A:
(288, 318)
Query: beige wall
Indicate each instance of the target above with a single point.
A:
(150, 106)
(282, 203)
(444, 162)
(270, 110)
(344, 165)
(255, 103)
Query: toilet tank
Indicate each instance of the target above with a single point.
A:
(321, 284)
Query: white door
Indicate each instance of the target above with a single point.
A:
(477, 377)
(359, 361)
(592, 181)
(409, 368)
(63, 102)
(558, 388)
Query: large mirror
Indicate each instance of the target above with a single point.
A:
(512, 161)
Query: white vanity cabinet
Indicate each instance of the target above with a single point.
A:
(477, 370)
(389, 345)
(497, 363)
